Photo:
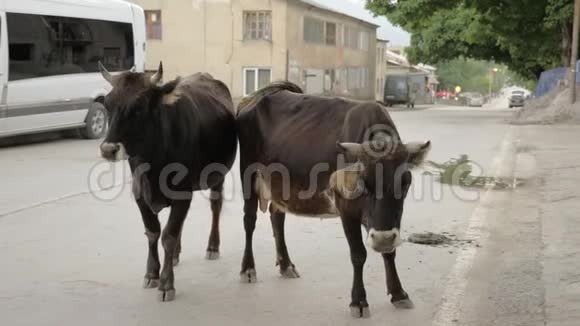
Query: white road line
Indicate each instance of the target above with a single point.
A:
(449, 311)
(58, 199)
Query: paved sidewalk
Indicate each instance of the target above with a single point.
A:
(556, 151)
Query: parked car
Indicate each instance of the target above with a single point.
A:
(517, 99)
(49, 54)
(471, 99)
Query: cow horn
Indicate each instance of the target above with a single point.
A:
(158, 76)
(105, 73)
(354, 149)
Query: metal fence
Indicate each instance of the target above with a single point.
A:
(550, 79)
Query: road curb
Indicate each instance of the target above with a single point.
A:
(454, 294)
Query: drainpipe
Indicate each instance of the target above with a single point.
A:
(287, 64)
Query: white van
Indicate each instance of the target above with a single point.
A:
(49, 54)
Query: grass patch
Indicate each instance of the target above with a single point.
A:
(459, 172)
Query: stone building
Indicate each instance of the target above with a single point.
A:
(249, 43)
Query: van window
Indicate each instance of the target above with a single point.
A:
(41, 46)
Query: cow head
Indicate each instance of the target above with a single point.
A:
(378, 183)
(135, 107)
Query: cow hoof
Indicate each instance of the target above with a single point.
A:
(290, 272)
(360, 312)
(212, 255)
(150, 283)
(249, 276)
(175, 261)
(166, 295)
(404, 304)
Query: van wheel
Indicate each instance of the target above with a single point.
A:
(96, 122)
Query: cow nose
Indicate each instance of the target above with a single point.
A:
(109, 150)
(384, 241)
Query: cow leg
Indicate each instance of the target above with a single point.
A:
(399, 297)
(216, 200)
(248, 273)
(169, 240)
(287, 269)
(359, 307)
(152, 231)
(177, 249)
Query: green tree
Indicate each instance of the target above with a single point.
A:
(528, 36)
(471, 75)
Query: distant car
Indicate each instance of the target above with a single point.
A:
(401, 89)
(444, 94)
(471, 99)
(517, 99)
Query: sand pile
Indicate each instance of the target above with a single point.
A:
(549, 109)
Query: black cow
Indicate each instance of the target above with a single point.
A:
(326, 157)
(179, 137)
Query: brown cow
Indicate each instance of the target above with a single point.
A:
(179, 137)
(326, 157)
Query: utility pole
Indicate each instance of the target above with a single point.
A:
(574, 56)
(492, 72)
(490, 79)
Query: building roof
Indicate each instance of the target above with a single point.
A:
(315, 4)
(397, 59)
(426, 68)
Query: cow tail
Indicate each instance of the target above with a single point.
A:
(273, 88)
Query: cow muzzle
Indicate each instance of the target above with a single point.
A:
(384, 241)
(113, 152)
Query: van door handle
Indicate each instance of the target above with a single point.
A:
(67, 99)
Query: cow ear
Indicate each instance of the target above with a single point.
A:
(417, 152)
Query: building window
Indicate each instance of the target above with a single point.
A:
(256, 78)
(351, 37)
(352, 78)
(313, 30)
(357, 78)
(153, 20)
(258, 25)
(363, 39)
(365, 77)
(330, 33)
(339, 36)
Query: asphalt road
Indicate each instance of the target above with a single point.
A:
(72, 256)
